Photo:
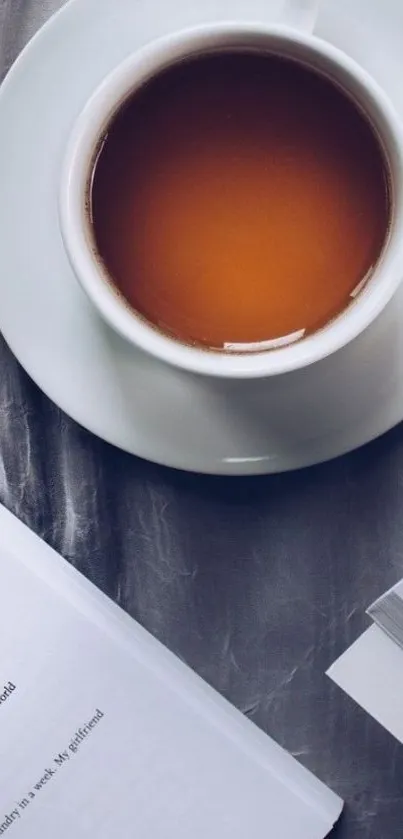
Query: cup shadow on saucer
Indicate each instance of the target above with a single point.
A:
(281, 417)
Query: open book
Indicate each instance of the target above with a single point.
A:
(371, 670)
(104, 733)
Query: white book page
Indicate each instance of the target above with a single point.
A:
(371, 672)
(103, 733)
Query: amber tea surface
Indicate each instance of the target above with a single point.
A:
(239, 198)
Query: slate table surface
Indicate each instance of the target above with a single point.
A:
(257, 583)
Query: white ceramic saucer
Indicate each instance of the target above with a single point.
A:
(126, 398)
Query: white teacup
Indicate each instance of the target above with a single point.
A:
(86, 136)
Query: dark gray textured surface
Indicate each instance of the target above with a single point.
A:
(257, 583)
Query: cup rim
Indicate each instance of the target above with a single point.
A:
(81, 152)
